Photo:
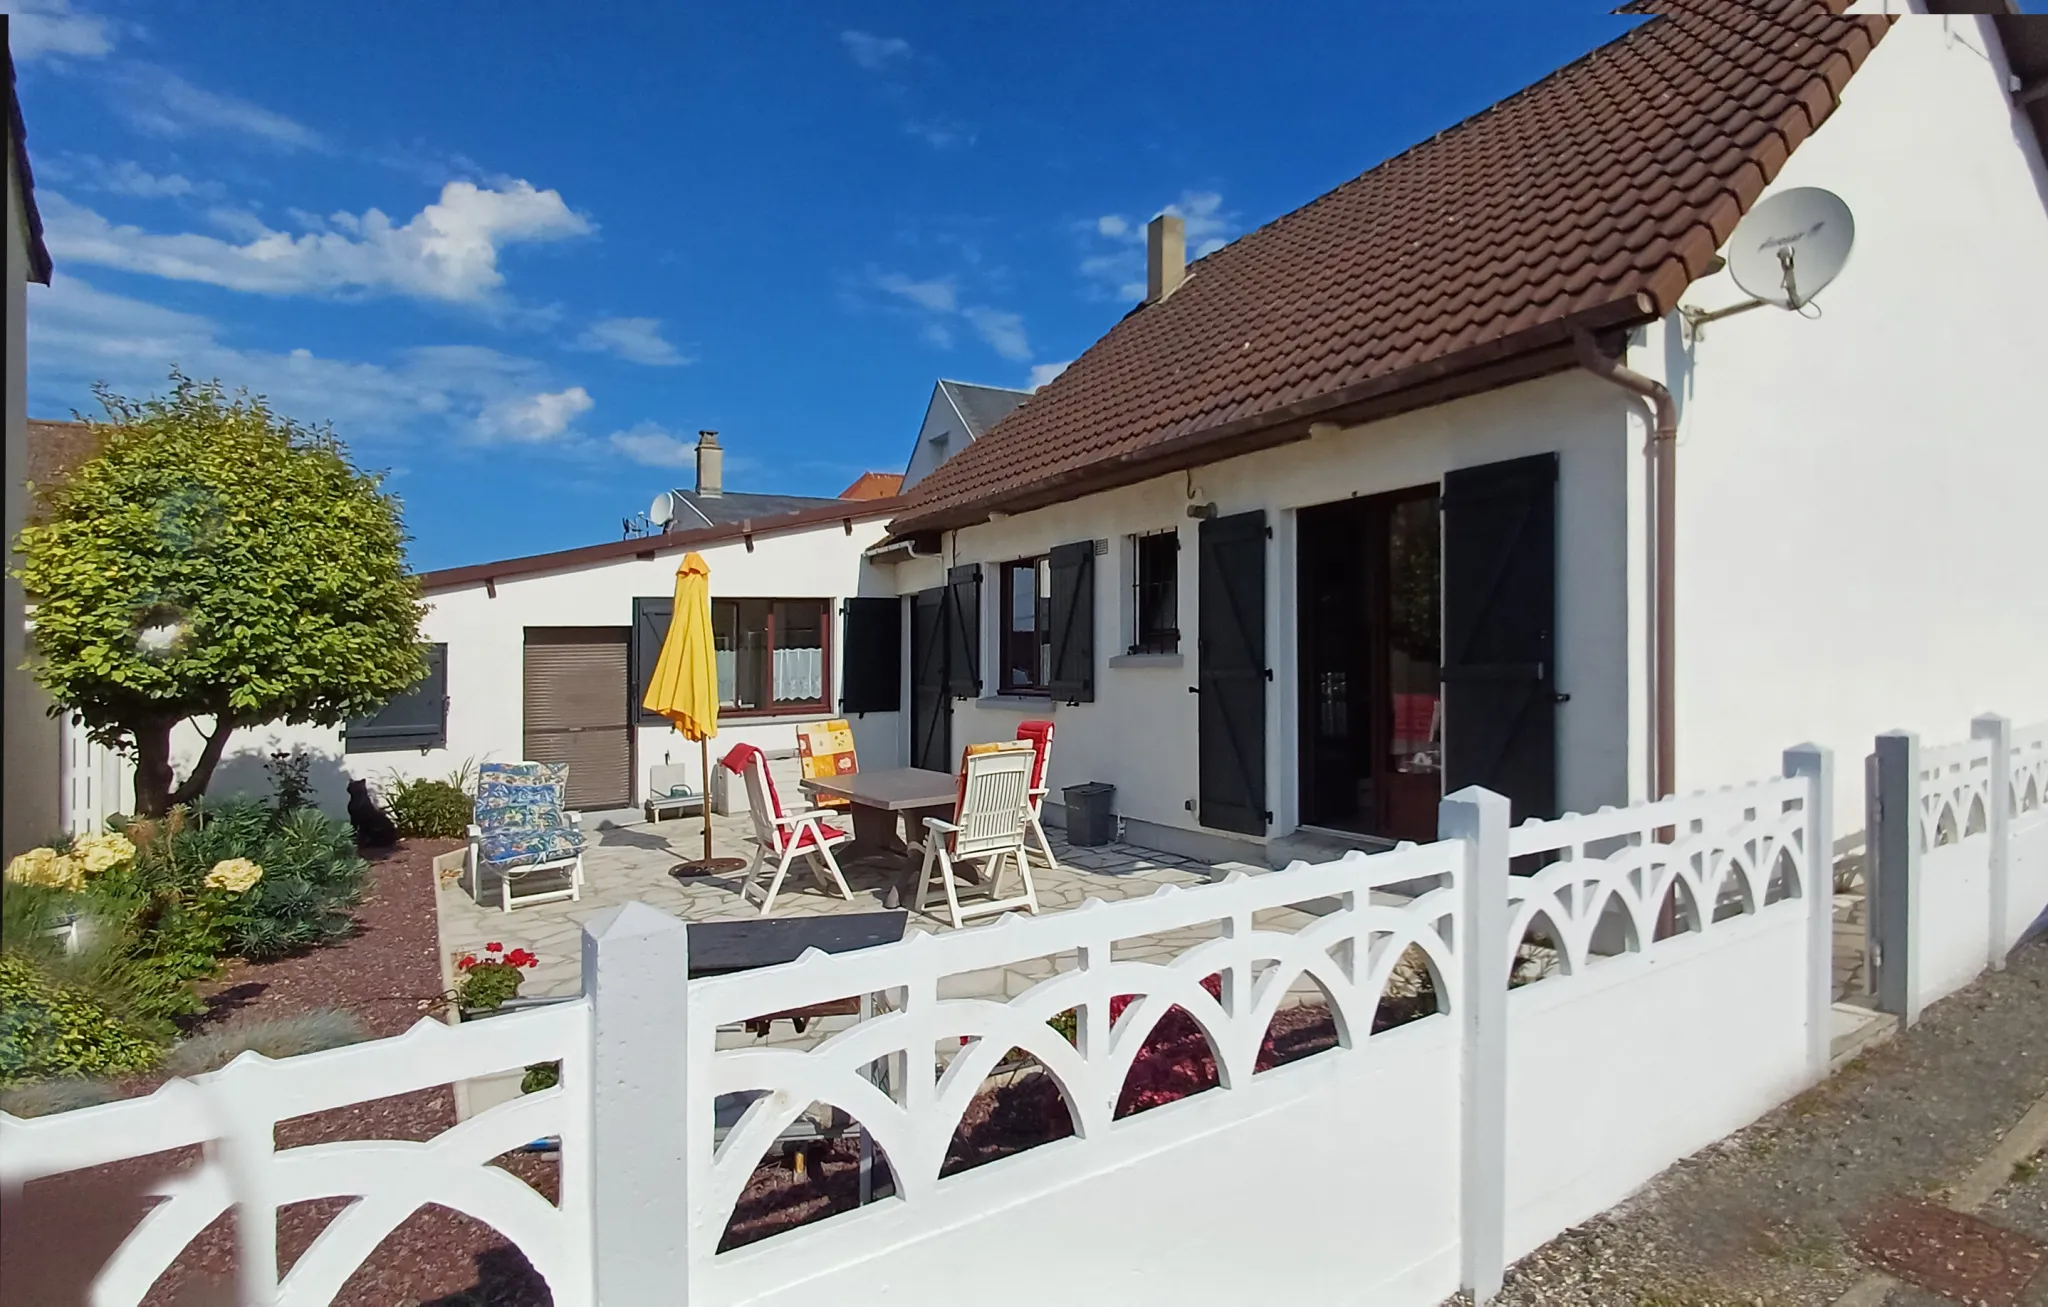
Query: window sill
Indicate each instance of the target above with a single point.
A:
(1017, 702)
(1146, 660)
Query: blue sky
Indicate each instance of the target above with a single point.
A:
(519, 261)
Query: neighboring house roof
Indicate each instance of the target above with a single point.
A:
(694, 511)
(1587, 201)
(2025, 38)
(39, 266)
(981, 407)
(824, 512)
(55, 449)
(874, 485)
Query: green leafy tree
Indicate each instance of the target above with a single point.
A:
(216, 561)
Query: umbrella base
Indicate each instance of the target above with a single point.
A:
(706, 867)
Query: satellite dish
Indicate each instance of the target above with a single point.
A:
(663, 509)
(1791, 246)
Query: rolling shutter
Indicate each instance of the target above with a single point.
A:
(963, 631)
(1500, 617)
(1231, 674)
(577, 712)
(1073, 622)
(416, 719)
(650, 628)
(872, 677)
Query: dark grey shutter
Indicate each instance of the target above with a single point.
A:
(1500, 617)
(651, 618)
(873, 671)
(931, 708)
(1073, 622)
(417, 719)
(963, 631)
(1231, 674)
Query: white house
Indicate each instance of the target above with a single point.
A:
(959, 414)
(1363, 507)
(30, 810)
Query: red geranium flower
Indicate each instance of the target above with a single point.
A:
(494, 948)
(468, 961)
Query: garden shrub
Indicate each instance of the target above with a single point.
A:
(424, 809)
(487, 982)
(309, 1032)
(49, 1030)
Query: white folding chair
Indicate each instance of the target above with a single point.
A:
(784, 836)
(989, 821)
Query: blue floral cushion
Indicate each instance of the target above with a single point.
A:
(507, 849)
(521, 796)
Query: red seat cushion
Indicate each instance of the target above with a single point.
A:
(1040, 735)
(809, 835)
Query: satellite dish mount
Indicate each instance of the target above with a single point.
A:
(1785, 252)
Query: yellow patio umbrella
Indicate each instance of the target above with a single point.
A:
(684, 687)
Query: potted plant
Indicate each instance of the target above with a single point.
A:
(490, 981)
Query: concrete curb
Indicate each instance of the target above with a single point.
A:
(1990, 1175)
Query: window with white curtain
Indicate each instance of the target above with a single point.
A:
(771, 654)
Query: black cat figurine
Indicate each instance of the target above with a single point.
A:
(373, 827)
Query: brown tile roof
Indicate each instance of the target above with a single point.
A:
(55, 448)
(563, 560)
(874, 485)
(1589, 200)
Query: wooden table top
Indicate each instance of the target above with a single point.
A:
(900, 789)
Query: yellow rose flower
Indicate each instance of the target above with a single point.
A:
(98, 853)
(46, 868)
(236, 875)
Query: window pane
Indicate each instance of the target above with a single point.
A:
(1156, 585)
(799, 650)
(1043, 625)
(1414, 582)
(1021, 623)
(740, 633)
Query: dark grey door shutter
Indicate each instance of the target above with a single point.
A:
(1500, 617)
(872, 678)
(650, 628)
(963, 631)
(931, 708)
(416, 719)
(1073, 622)
(1231, 673)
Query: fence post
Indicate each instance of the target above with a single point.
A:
(1479, 818)
(636, 964)
(1816, 764)
(1998, 805)
(1895, 873)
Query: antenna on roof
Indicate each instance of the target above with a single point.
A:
(1785, 252)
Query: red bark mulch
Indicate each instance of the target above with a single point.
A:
(60, 1230)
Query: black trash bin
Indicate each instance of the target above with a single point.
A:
(1091, 819)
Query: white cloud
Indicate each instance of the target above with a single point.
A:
(448, 251)
(79, 334)
(937, 334)
(874, 53)
(126, 177)
(39, 28)
(536, 418)
(637, 340)
(158, 101)
(1043, 373)
(939, 295)
(1116, 264)
(653, 445)
(1003, 331)
(939, 133)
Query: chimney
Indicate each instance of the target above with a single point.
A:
(1166, 256)
(710, 465)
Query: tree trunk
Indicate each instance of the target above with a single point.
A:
(152, 768)
(209, 758)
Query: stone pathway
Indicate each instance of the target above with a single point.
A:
(1767, 1215)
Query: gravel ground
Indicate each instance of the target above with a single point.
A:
(1759, 1218)
(387, 973)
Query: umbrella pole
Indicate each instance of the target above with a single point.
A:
(705, 745)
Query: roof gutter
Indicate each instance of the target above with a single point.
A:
(1662, 452)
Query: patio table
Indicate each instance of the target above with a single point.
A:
(877, 800)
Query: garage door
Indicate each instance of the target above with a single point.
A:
(576, 710)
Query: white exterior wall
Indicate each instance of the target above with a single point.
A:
(1896, 439)
(486, 639)
(31, 767)
(940, 419)
(1140, 732)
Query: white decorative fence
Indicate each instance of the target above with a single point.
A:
(1670, 970)
(1959, 842)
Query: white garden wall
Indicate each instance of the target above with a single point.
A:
(486, 636)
